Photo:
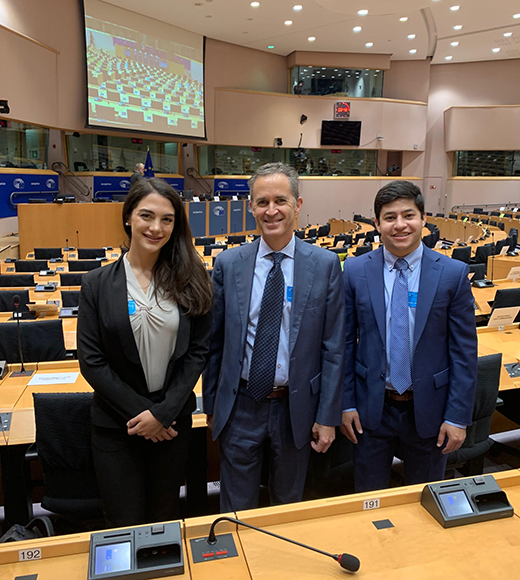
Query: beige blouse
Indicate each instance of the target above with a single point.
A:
(155, 326)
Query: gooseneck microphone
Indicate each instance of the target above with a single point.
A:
(16, 314)
(346, 561)
(77, 239)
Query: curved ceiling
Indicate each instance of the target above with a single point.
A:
(428, 30)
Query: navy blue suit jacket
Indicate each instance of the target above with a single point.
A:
(444, 356)
(316, 337)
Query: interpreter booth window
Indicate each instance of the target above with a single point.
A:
(233, 160)
(88, 152)
(486, 164)
(333, 162)
(340, 82)
(23, 146)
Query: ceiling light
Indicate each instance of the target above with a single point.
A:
(369, 44)
(454, 8)
(357, 29)
(323, 68)
(456, 43)
(508, 34)
(411, 36)
(297, 7)
(362, 12)
(271, 46)
(448, 57)
(288, 22)
(516, 15)
(496, 50)
(457, 27)
(255, 4)
(413, 51)
(311, 38)
(377, 70)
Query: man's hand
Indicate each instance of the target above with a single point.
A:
(323, 437)
(349, 418)
(147, 426)
(455, 436)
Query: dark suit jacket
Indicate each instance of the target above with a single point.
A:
(109, 358)
(444, 361)
(316, 337)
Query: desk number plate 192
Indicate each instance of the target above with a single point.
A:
(371, 504)
(26, 555)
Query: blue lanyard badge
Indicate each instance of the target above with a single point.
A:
(131, 307)
(289, 293)
(412, 299)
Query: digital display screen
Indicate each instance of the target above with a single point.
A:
(340, 132)
(143, 75)
(112, 558)
(455, 503)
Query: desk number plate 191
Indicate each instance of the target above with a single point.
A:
(371, 504)
(26, 555)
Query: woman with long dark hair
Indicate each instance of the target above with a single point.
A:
(143, 332)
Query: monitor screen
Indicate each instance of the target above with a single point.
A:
(142, 74)
(112, 558)
(455, 503)
(340, 132)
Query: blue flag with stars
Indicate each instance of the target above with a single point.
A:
(148, 166)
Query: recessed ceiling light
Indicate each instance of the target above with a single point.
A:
(362, 12)
(508, 34)
(323, 68)
(496, 50)
(456, 43)
(377, 70)
(271, 46)
(448, 57)
(335, 70)
(411, 36)
(255, 4)
(288, 22)
(369, 44)
(413, 51)
(297, 7)
(403, 18)
(311, 38)
(454, 8)
(457, 27)
(516, 15)
(357, 29)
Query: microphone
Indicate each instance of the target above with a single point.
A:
(346, 561)
(492, 256)
(16, 314)
(77, 237)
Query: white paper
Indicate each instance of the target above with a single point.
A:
(503, 316)
(504, 251)
(53, 379)
(514, 273)
(195, 198)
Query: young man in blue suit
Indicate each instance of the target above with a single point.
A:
(411, 348)
(274, 377)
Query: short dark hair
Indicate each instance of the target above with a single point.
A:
(277, 169)
(398, 190)
(179, 273)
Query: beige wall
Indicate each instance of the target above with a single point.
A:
(407, 79)
(476, 192)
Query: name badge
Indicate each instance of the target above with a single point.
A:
(289, 293)
(412, 299)
(131, 307)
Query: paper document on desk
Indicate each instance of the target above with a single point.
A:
(53, 379)
(502, 316)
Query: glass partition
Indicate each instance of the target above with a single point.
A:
(486, 163)
(22, 145)
(89, 152)
(341, 82)
(232, 160)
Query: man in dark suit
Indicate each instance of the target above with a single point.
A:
(137, 174)
(275, 369)
(411, 348)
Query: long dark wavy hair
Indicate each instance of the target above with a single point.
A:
(179, 273)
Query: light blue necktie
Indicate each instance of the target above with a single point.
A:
(400, 364)
(265, 348)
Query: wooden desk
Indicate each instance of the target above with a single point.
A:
(498, 267)
(483, 296)
(507, 341)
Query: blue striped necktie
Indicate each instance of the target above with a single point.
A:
(400, 363)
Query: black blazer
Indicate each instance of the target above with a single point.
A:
(109, 359)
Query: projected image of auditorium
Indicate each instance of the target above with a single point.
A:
(142, 83)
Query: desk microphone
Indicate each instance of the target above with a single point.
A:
(493, 256)
(17, 314)
(77, 239)
(346, 561)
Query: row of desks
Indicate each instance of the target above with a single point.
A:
(413, 546)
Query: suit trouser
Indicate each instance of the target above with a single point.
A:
(250, 427)
(138, 479)
(375, 450)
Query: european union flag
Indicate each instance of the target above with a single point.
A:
(148, 166)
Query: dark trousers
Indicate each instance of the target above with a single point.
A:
(139, 480)
(375, 450)
(251, 427)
